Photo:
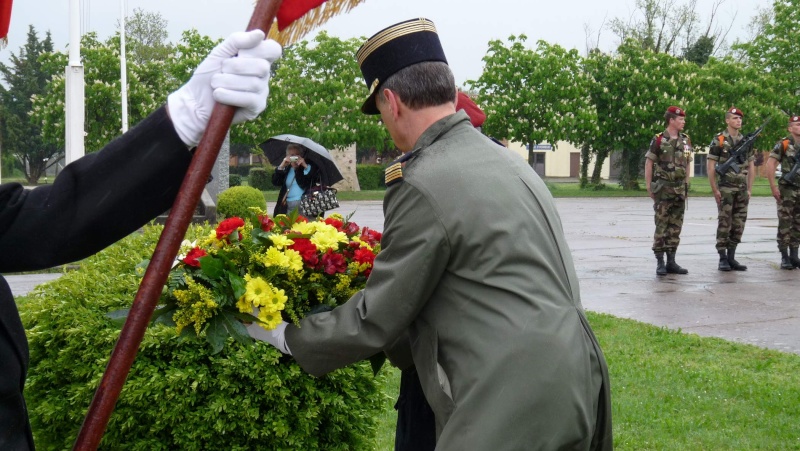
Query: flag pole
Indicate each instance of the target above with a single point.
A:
(96, 420)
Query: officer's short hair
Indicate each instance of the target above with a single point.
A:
(421, 85)
(668, 116)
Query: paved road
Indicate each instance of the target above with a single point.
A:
(610, 240)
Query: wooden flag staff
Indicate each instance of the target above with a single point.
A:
(94, 425)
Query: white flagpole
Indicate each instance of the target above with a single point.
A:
(123, 68)
(74, 92)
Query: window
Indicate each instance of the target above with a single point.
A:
(700, 169)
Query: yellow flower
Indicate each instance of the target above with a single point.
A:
(195, 305)
(261, 293)
(280, 241)
(271, 319)
(363, 244)
(328, 237)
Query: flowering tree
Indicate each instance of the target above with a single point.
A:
(632, 90)
(317, 92)
(775, 49)
(534, 96)
(103, 104)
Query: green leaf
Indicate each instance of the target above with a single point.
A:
(236, 328)
(211, 266)
(238, 284)
(216, 334)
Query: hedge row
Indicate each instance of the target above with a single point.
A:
(178, 394)
(370, 176)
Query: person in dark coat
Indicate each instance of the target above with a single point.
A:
(102, 197)
(295, 176)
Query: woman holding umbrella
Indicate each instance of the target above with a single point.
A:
(294, 175)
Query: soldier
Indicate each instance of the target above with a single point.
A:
(787, 193)
(732, 191)
(666, 174)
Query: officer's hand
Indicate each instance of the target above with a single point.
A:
(235, 73)
(718, 197)
(276, 337)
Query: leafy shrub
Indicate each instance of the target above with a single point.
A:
(243, 169)
(234, 180)
(370, 176)
(237, 200)
(178, 395)
(261, 178)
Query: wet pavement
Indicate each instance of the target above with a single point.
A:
(610, 240)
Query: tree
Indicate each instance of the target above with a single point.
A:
(146, 35)
(21, 134)
(775, 49)
(102, 91)
(534, 96)
(317, 91)
(632, 90)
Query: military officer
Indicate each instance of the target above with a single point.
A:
(475, 287)
(666, 174)
(787, 193)
(732, 191)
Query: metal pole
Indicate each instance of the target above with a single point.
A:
(74, 92)
(155, 276)
(123, 67)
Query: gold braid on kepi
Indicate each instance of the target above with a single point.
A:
(393, 49)
(311, 20)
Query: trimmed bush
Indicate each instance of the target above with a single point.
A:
(370, 176)
(234, 180)
(178, 395)
(236, 201)
(261, 178)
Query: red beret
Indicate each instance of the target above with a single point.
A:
(736, 111)
(794, 119)
(476, 116)
(676, 110)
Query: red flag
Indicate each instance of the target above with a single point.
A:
(5, 20)
(292, 10)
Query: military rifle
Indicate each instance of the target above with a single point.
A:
(739, 152)
(789, 176)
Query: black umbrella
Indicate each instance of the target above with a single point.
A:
(275, 151)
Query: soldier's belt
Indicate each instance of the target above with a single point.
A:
(671, 184)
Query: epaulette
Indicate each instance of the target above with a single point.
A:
(394, 172)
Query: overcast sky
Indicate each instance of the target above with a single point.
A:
(465, 26)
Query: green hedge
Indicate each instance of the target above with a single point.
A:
(242, 170)
(237, 200)
(261, 178)
(370, 176)
(234, 180)
(178, 395)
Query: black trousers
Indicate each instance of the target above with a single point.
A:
(416, 425)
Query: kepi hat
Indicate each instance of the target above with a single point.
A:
(395, 48)
(677, 111)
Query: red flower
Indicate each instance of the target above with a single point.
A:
(333, 262)
(267, 223)
(351, 228)
(333, 222)
(307, 250)
(364, 256)
(192, 258)
(228, 226)
(370, 236)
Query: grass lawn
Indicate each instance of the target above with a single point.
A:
(673, 391)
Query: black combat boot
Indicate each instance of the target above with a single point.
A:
(723, 261)
(786, 263)
(732, 260)
(793, 257)
(661, 269)
(672, 267)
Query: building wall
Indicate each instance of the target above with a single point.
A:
(558, 160)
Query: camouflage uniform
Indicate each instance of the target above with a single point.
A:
(789, 207)
(671, 159)
(732, 211)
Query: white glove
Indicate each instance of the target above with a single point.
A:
(241, 81)
(275, 337)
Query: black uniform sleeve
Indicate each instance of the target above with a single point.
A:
(94, 201)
